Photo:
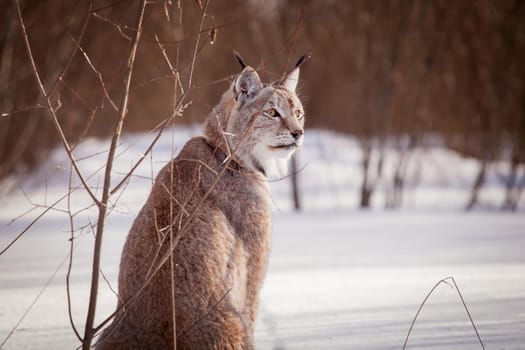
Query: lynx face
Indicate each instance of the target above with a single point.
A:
(266, 122)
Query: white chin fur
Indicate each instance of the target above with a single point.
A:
(274, 162)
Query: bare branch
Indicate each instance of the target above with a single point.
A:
(110, 5)
(70, 262)
(172, 68)
(99, 76)
(44, 212)
(73, 52)
(76, 94)
(443, 281)
(176, 112)
(23, 109)
(116, 25)
(89, 330)
(49, 104)
(197, 44)
(172, 262)
(291, 38)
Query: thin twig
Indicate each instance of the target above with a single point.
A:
(23, 109)
(163, 126)
(116, 25)
(51, 207)
(444, 281)
(44, 212)
(291, 37)
(197, 44)
(179, 217)
(185, 332)
(76, 94)
(104, 7)
(74, 51)
(291, 174)
(178, 109)
(99, 76)
(70, 262)
(50, 107)
(172, 262)
(294, 34)
(173, 70)
(92, 228)
(468, 313)
(89, 330)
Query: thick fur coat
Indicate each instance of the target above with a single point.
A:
(210, 206)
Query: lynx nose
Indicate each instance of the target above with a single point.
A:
(297, 134)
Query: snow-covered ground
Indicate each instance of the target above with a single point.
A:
(338, 278)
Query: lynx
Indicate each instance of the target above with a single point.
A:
(210, 206)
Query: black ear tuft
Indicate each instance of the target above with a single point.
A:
(303, 59)
(239, 59)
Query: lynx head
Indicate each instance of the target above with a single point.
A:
(260, 125)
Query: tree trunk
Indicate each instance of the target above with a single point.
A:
(366, 189)
(478, 184)
(295, 185)
(512, 187)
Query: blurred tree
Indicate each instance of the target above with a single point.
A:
(389, 72)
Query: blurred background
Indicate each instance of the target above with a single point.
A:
(412, 105)
(396, 76)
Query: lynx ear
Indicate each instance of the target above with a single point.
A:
(291, 80)
(247, 83)
(239, 59)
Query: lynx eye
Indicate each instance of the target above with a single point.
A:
(271, 112)
(299, 114)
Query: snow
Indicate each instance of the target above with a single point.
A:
(339, 278)
(358, 279)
